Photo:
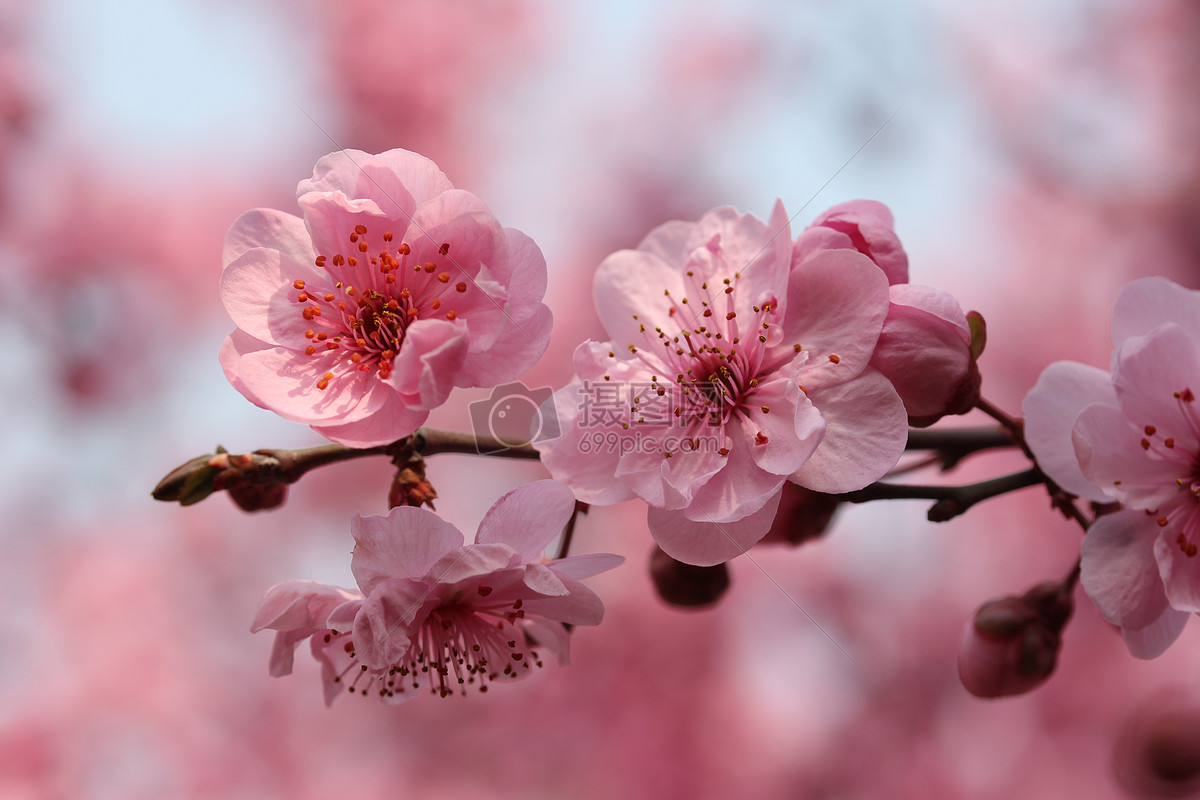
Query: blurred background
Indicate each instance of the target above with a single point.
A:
(1037, 156)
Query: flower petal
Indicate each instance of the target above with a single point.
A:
(1062, 391)
(1111, 457)
(1119, 571)
(528, 518)
(1150, 373)
(837, 302)
(1180, 572)
(404, 544)
(271, 229)
(865, 433)
(707, 543)
(1145, 304)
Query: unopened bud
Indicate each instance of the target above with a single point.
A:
(1012, 644)
(687, 585)
(259, 497)
(803, 515)
(188, 483)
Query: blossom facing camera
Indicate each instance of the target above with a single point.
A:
(394, 288)
(1133, 436)
(434, 613)
(927, 347)
(727, 373)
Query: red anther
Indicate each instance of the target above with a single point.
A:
(834, 359)
(451, 315)
(460, 287)
(445, 248)
(436, 304)
(298, 284)
(430, 266)
(360, 229)
(443, 277)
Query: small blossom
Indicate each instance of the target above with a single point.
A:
(393, 289)
(1133, 436)
(431, 612)
(925, 347)
(737, 373)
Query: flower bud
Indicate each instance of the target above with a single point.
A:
(862, 225)
(928, 350)
(686, 585)
(260, 496)
(1012, 644)
(803, 515)
(188, 483)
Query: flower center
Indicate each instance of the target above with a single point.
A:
(456, 646)
(1182, 511)
(712, 358)
(373, 295)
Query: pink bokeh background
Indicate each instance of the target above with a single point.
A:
(1036, 156)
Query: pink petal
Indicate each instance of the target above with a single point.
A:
(1180, 572)
(792, 426)
(543, 580)
(586, 565)
(866, 429)
(579, 606)
(404, 544)
(1062, 391)
(837, 302)
(299, 604)
(528, 518)
(1119, 570)
(708, 543)
(1111, 456)
(629, 283)
(331, 218)
(389, 617)
(471, 562)
(513, 352)
(1148, 372)
(1147, 303)
(236, 345)
(581, 457)
(392, 421)
(1153, 640)
(738, 490)
(271, 229)
(286, 382)
(756, 255)
(668, 241)
(257, 291)
(430, 359)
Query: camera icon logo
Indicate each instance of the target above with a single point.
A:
(514, 416)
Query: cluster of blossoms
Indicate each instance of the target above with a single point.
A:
(804, 360)
(748, 378)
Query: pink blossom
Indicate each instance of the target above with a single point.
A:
(925, 346)
(1133, 436)
(725, 377)
(430, 610)
(393, 289)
